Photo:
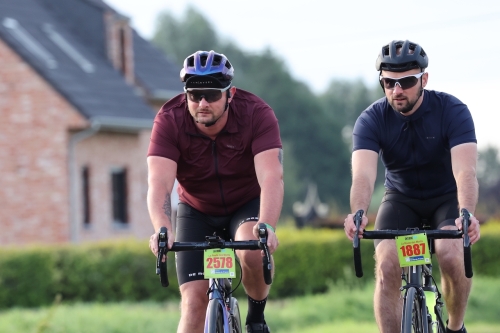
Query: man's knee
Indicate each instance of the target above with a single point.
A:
(250, 259)
(193, 296)
(387, 266)
(450, 255)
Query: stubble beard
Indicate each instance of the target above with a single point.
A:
(205, 119)
(406, 107)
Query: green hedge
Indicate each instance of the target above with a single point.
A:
(307, 261)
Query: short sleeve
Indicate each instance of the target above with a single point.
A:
(266, 132)
(461, 128)
(164, 137)
(364, 135)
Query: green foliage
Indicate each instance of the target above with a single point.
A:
(317, 129)
(107, 271)
(308, 261)
(184, 37)
(488, 172)
(314, 143)
(345, 100)
(293, 186)
(26, 279)
(488, 168)
(338, 310)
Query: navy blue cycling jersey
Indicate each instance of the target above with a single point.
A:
(416, 149)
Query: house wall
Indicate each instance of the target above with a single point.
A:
(35, 129)
(102, 153)
(33, 155)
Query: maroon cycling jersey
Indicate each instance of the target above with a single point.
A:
(217, 176)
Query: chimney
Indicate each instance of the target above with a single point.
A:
(119, 44)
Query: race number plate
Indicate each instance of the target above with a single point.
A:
(413, 250)
(219, 263)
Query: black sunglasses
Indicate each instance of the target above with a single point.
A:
(405, 82)
(210, 95)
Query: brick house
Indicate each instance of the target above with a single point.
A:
(79, 89)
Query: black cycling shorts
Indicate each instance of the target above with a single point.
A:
(193, 225)
(400, 212)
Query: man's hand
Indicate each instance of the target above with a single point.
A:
(350, 227)
(272, 239)
(153, 242)
(474, 232)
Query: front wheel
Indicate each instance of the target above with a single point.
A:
(215, 318)
(235, 317)
(413, 316)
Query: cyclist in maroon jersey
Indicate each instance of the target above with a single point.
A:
(223, 146)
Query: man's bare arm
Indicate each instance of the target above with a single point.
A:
(464, 162)
(364, 174)
(269, 170)
(161, 178)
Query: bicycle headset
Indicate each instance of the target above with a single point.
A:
(207, 69)
(411, 56)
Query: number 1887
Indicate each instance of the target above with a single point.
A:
(413, 250)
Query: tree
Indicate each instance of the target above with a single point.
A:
(345, 100)
(180, 38)
(488, 174)
(315, 148)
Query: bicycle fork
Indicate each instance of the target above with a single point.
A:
(219, 293)
(433, 301)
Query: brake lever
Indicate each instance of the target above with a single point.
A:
(162, 247)
(266, 259)
(262, 234)
(465, 226)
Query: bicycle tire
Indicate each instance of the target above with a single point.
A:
(413, 318)
(235, 317)
(215, 318)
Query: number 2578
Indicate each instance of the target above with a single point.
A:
(226, 262)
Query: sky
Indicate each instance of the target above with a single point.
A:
(323, 40)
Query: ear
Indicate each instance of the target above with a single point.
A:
(231, 93)
(425, 77)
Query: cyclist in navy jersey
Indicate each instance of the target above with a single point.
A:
(427, 143)
(223, 146)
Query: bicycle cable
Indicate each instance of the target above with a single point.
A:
(241, 277)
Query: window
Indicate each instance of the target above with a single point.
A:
(86, 195)
(119, 191)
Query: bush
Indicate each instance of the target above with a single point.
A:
(26, 278)
(307, 261)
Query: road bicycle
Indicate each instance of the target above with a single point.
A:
(223, 313)
(418, 282)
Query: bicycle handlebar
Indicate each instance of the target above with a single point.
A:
(433, 234)
(212, 242)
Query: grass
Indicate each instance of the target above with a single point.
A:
(339, 310)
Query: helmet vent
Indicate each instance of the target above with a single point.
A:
(203, 60)
(217, 60)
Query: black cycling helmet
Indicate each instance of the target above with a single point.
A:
(207, 69)
(411, 56)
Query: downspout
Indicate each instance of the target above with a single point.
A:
(73, 176)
